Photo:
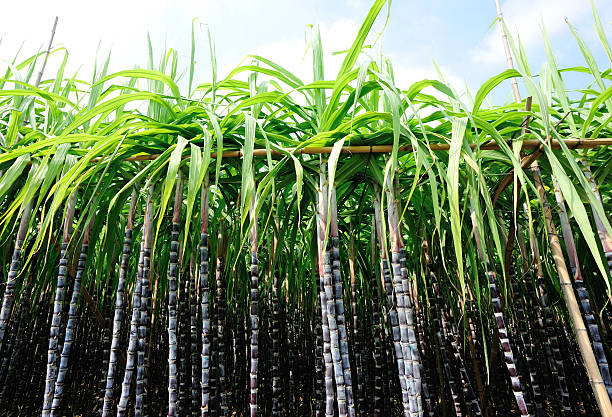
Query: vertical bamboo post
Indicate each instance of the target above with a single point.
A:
(515, 88)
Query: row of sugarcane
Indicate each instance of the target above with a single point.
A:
(401, 327)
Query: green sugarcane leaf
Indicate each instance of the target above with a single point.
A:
(193, 187)
(11, 174)
(454, 157)
(173, 167)
(490, 84)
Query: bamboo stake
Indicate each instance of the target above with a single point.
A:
(40, 73)
(515, 88)
(579, 143)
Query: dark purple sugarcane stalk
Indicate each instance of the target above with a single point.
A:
(522, 323)
(445, 331)
(339, 301)
(221, 305)
(356, 333)
(320, 366)
(327, 356)
(471, 403)
(193, 328)
(441, 330)
(106, 337)
(118, 317)
(405, 312)
(500, 321)
(182, 300)
(583, 294)
(378, 331)
(540, 381)
(412, 340)
(410, 324)
(57, 309)
(331, 306)
(130, 361)
(392, 311)
(276, 380)
(546, 324)
(254, 311)
(525, 347)
(9, 290)
(424, 363)
(275, 336)
(172, 296)
(144, 321)
(70, 326)
(537, 322)
(204, 299)
(16, 348)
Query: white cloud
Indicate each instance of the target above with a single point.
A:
(291, 52)
(525, 17)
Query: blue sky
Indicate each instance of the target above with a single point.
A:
(456, 34)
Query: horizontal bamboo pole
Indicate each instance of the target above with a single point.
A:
(580, 143)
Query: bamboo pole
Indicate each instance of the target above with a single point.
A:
(515, 88)
(579, 143)
(42, 69)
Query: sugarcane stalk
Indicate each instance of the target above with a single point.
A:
(500, 321)
(172, 297)
(441, 330)
(57, 308)
(118, 316)
(70, 326)
(451, 334)
(327, 356)
(193, 329)
(332, 318)
(540, 381)
(204, 299)
(9, 290)
(405, 310)
(320, 373)
(446, 332)
(254, 273)
(378, 331)
(339, 301)
(393, 308)
(144, 321)
(221, 306)
(133, 339)
(276, 380)
(356, 334)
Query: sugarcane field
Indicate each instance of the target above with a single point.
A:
(255, 241)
